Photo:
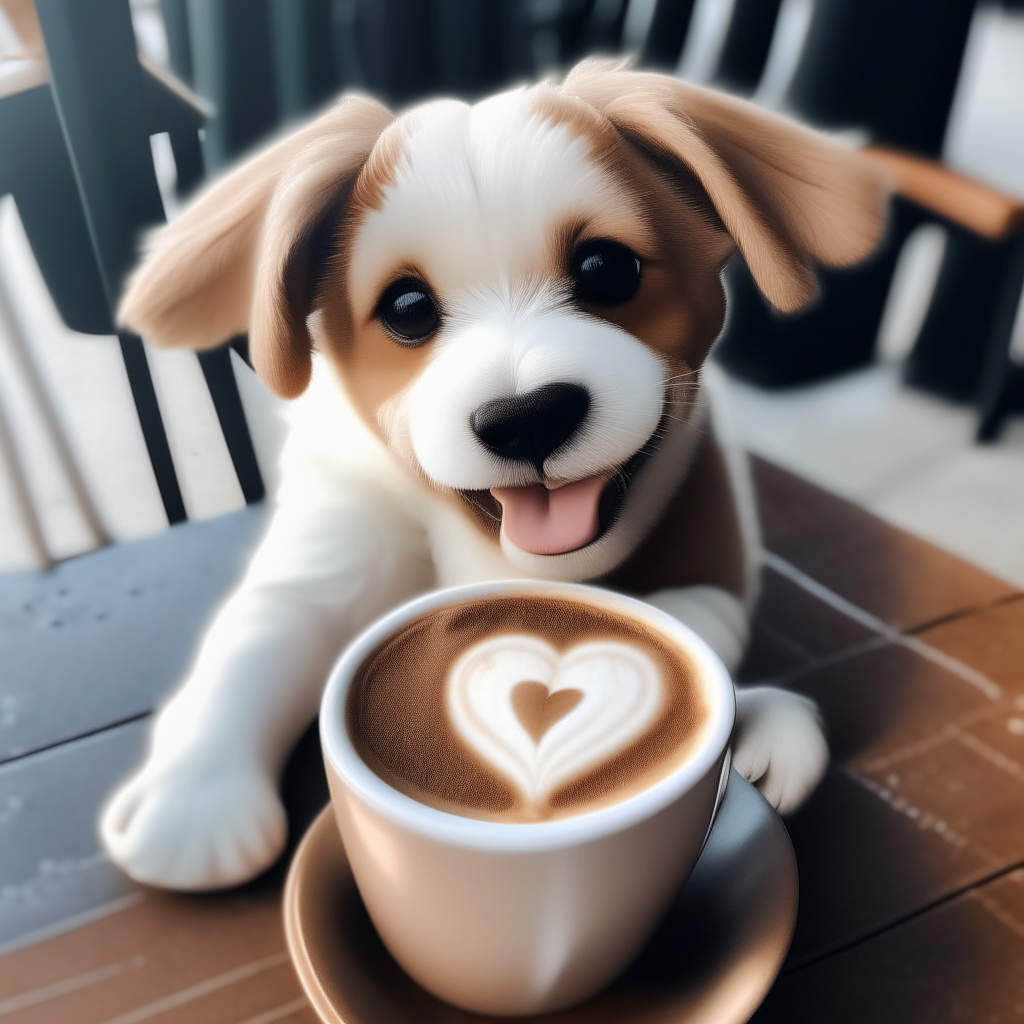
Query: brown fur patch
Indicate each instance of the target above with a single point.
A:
(378, 173)
(788, 196)
(201, 276)
(374, 369)
(697, 541)
(680, 307)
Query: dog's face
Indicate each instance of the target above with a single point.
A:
(518, 295)
(520, 305)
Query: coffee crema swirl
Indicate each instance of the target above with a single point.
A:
(525, 708)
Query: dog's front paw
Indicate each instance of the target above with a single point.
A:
(779, 744)
(194, 823)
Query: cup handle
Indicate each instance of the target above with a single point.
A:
(723, 785)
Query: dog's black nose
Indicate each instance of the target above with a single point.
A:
(528, 428)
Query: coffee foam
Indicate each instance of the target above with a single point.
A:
(541, 717)
(525, 708)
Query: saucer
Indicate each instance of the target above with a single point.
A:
(711, 961)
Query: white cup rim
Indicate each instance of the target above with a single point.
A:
(522, 837)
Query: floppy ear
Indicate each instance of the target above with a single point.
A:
(240, 257)
(788, 196)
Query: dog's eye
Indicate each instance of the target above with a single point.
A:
(409, 311)
(605, 273)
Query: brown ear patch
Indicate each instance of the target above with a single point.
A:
(305, 245)
(789, 197)
(241, 257)
(680, 307)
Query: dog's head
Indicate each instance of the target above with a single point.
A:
(518, 295)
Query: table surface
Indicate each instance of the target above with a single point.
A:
(911, 853)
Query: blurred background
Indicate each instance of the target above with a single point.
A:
(903, 390)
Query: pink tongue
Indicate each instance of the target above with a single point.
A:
(547, 522)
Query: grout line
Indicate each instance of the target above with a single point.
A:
(874, 933)
(200, 989)
(979, 680)
(886, 761)
(22, 754)
(922, 818)
(970, 675)
(952, 730)
(943, 620)
(990, 754)
(999, 913)
(786, 642)
(278, 1013)
(847, 653)
(66, 986)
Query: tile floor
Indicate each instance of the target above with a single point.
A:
(904, 455)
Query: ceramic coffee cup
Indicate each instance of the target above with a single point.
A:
(521, 918)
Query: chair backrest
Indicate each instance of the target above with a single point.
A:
(889, 68)
(717, 42)
(264, 62)
(744, 51)
(76, 154)
(86, 187)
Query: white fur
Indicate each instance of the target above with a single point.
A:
(497, 351)
(711, 612)
(779, 744)
(476, 196)
(353, 535)
(476, 200)
(504, 181)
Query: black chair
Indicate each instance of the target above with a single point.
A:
(744, 46)
(748, 39)
(889, 69)
(1000, 388)
(261, 63)
(89, 646)
(666, 34)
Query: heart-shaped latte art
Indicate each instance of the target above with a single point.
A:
(540, 717)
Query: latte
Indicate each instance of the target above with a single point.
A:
(525, 708)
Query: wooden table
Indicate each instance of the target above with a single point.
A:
(910, 853)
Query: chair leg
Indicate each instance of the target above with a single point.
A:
(836, 335)
(23, 507)
(305, 75)
(175, 14)
(188, 161)
(949, 356)
(152, 425)
(220, 379)
(1001, 385)
(36, 169)
(230, 47)
(666, 34)
(747, 42)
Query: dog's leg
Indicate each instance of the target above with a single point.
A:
(714, 614)
(779, 743)
(203, 810)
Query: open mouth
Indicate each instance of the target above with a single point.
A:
(555, 521)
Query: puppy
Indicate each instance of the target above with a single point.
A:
(496, 317)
